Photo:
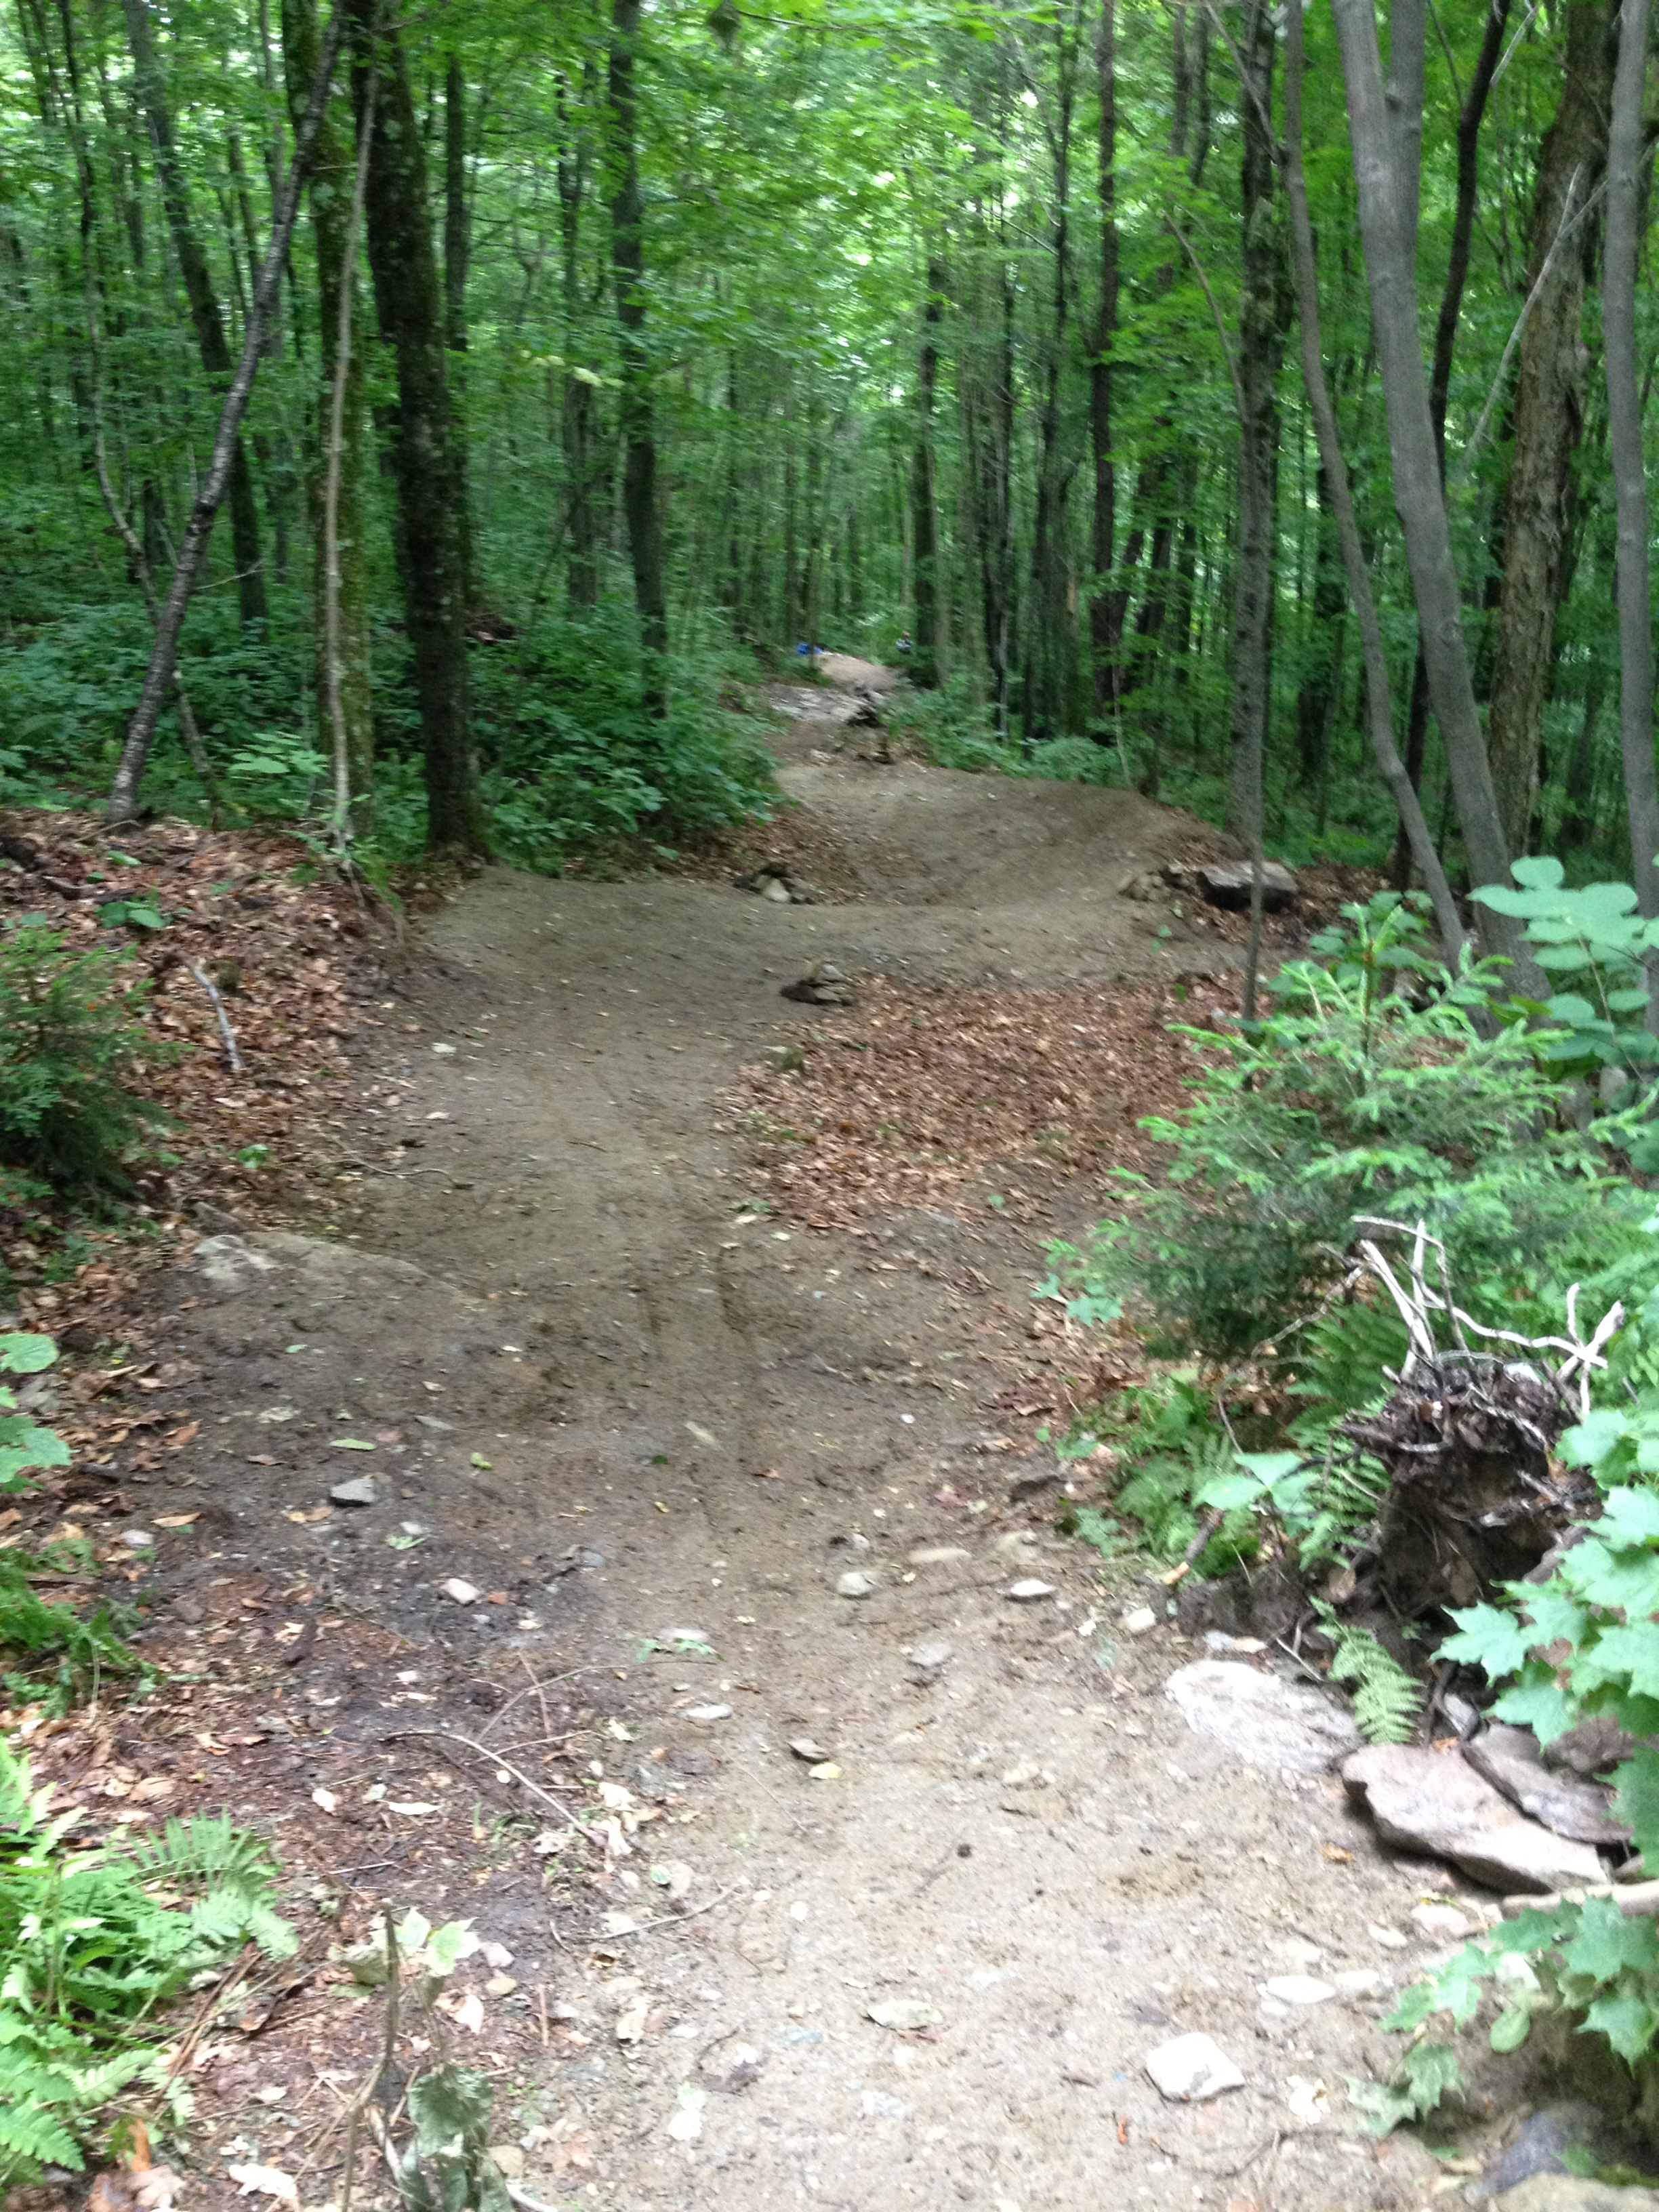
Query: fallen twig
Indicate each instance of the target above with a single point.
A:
(223, 1019)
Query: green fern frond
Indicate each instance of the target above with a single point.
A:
(1388, 1702)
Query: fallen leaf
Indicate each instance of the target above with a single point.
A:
(901, 2014)
(349, 1444)
(266, 2181)
(412, 1808)
(308, 1513)
(175, 1520)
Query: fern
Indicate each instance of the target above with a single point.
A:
(1388, 1702)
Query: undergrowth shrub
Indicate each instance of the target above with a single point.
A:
(94, 1942)
(1355, 1097)
(70, 1046)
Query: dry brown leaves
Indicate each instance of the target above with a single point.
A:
(923, 1094)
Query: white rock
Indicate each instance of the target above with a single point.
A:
(708, 1712)
(1307, 2100)
(1029, 1591)
(464, 1593)
(901, 2013)
(1259, 1719)
(1362, 1982)
(1298, 1989)
(855, 1584)
(1443, 1922)
(1389, 1938)
(1138, 1620)
(928, 1658)
(1191, 2067)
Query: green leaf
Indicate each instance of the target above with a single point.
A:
(1638, 1801)
(22, 1353)
(1225, 1491)
(1539, 872)
(351, 1444)
(1511, 2028)
(1629, 1517)
(1628, 2020)
(1607, 1946)
(1499, 1641)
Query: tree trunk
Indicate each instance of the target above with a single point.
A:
(343, 674)
(457, 253)
(429, 483)
(1548, 417)
(926, 656)
(1386, 154)
(579, 414)
(1100, 386)
(1260, 351)
(1334, 481)
(1048, 686)
(635, 413)
(204, 314)
(1626, 155)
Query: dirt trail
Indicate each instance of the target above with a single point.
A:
(728, 1417)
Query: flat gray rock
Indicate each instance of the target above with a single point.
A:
(1227, 883)
(1259, 1719)
(1435, 1803)
(1191, 2068)
(1509, 1758)
(1565, 2192)
(1538, 2147)
(359, 1490)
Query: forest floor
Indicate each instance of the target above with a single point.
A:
(646, 1343)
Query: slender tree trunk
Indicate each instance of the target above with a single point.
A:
(1106, 683)
(458, 242)
(425, 470)
(1548, 417)
(1625, 157)
(159, 675)
(1260, 349)
(1385, 130)
(579, 400)
(926, 656)
(341, 642)
(1334, 474)
(637, 418)
(1469, 117)
(1048, 686)
(203, 303)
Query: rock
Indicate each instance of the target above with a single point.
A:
(1443, 1922)
(937, 1555)
(508, 2158)
(138, 1539)
(1537, 2146)
(464, 1593)
(231, 1264)
(1361, 1982)
(1592, 1748)
(1298, 1989)
(1138, 1620)
(1227, 883)
(690, 1759)
(1031, 1483)
(804, 1748)
(903, 2014)
(1565, 2192)
(878, 2106)
(1191, 2067)
(1509, 1758)
(822, 985)
(707, 1713)
(1217, 1639)
(1435, 1802)
(1259, 1719)
(359, 1490)
(1029, 1591)
(855, 1583)
(1389, 1938)
(777, 890)
(784, 1059)
(928, 1658)
(737, 2069)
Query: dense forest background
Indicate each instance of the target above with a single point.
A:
(619, 351)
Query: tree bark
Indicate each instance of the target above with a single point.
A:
(1047, 689)
(1385, 155)
(1334, 473)
(637, 417)
(341, 641)
(1548, 418)
(425, 471)
(203, 303)
(1625, 157)
(578, 411)
(457, 253)
(158, 676)
(1260, 349)
(926, 654)
(1100, 626)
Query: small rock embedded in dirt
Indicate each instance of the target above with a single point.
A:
(708, 1712)
(855, 1583)
(1191, 2067)
(1443, 1922)
(1259, 1719)
(1509, 1758)
(735, 2069)
(1389, 1938)
(1138, 1620)
(138, 1539)
(1362, 1982)
(1226, 884)
(777, 890)
(1434, 1801)
(878, 2106)
(1217, 1639)
(1029, 1591)
(822, 985)
(901, 2014)
(804, 1748)
(689, 1758)
(360, 1490)
(464, 1593)
(937, 1555)
(1298, 1989)
(928, 1658)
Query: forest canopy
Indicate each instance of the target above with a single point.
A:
(1160, 374)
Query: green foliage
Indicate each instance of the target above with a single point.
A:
(58, 1657)
(1424, 2074)
(1354, 1098)
(1594, 1617)
(446, 2167)
(69, 1045)
(23, 1443)
(1594, 941)
(1172, 1450)
(94, 1943)
(1388, 1702)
